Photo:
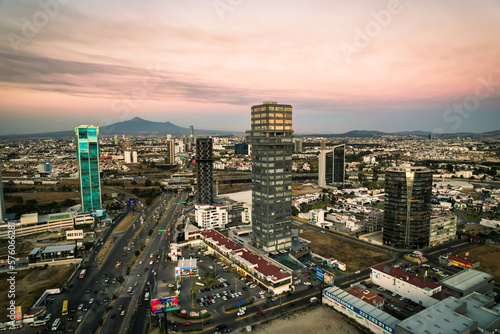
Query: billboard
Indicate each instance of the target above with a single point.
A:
(74, 234)
(325, 276)
(98, 213)
(164, 305)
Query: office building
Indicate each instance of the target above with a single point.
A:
(191, 134)
(87, 154)
(297, 146)
(331, 166)
(45, 168)
(134, 157)
(204, 170)
(127, 157)
(407, 210)
(271, 137)
(2, 204)
(241, 148)
(116, 139)
(170, 153)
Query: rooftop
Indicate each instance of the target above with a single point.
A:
(61, 248)
(466, 279)
(404, 276)
(461, 259)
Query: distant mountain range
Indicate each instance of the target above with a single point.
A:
(139, 126)
(370, 134)
(135, 126)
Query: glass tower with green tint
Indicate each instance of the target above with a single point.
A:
(87, 153)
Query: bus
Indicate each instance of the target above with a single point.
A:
(65, 308)
(56, 324)
(82, 273)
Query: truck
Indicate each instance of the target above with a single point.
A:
(313, 299)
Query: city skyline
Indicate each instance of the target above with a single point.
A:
(386, 66)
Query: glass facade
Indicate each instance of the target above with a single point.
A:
(407, 209)
(87, 153)
(331, 169)
(204, 170)
(271, 138)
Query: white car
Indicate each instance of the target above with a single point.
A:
(80, 318)
(357, 272)
(150, 262)
(91, 300)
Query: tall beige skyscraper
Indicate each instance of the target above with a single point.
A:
(271, 138)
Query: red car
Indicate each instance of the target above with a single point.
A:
(187, 324)
(260, 313)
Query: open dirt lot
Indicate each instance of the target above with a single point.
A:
(353, 255)
(488, 256)
(30, 284)
(45, 197)
(299, 189)
(320, 320)
(475, 229)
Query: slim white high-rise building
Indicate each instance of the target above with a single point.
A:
(2, 205)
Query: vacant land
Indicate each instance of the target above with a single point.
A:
(319, 320)
(30, 285)
(299, 189)
(44, 197)
(487, 255)
(475, 229)
(354, 256)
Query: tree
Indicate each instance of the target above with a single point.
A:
(361, 177)
(148, 183)
(375, 176)
(137, 253)
(295, 211)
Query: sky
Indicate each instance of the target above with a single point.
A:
(343, 65)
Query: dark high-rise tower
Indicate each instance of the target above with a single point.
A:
(331, 167)
(271, 138)
(407, 209)
(204, 170)
(87, 154)
(170, 152)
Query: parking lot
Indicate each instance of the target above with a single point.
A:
(229, 288)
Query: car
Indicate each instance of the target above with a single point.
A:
(259, 313)
(135, 284)
(80, 318)
(106, 280)
(80, 307)
(85, 309)
(274, 299)
(120, 307)
(105, 300)
(291, 305)
(221, 327)
(408, 308)
(394, 294)
(87, 291)
(401, 298)
(145, 269)
(113, 316)
(102, 291)
(150, 262)
(380, 289)
(186, 324)
(122, 313)
(138, 275)
(91, 300)
(70, 318)
(209, 321)
(151, 255)
(240, 293)
(357, 272)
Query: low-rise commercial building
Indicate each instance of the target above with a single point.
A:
(33, 223)
(263, 270)
(367, 315)
(469, 314)
(468, 281)
(415, 288)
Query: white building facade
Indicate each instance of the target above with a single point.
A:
(211, 216)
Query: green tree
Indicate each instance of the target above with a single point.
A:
(137, 253)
